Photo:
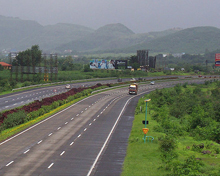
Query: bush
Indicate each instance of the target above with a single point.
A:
(217, 150)
(47, 108)
(41, 111)
(13, 84)
(185, 85)
(215, 135)
(61, 102)
(197, 91)
(86, 92)
(32, 115)
(15, 119)
(178, 88)
(2, 128)
(167, 147)
(26, 83)
(216, 93)
(191, 166)
(198, 147)
(55, 104)
(78, 95)
(70, 98)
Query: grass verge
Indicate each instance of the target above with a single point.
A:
(145, 158)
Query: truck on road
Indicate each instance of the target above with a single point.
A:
(133, 89)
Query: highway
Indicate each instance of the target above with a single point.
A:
(87, 138)
(17, 99)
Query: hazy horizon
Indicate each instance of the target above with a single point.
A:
(138, 15)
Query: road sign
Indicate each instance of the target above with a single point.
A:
(145, 130)
(143, 121)
(217, 59)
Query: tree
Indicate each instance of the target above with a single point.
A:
(25, 58)
(36, 54)
(134, 62)
(87, 68)
(1, 68)
(133, 59)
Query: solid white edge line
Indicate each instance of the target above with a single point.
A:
(45, 120)
(107, 139)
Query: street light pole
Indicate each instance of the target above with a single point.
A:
(147, 100)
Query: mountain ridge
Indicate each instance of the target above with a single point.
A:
(20, 34)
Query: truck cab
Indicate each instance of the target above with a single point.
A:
(133, 89)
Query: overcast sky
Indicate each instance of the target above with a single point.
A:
(138, 15)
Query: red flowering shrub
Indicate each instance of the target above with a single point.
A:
(36, 105)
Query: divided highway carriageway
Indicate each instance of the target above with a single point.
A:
(88, 138)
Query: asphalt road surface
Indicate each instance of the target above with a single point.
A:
(88, 138)
(17, 99)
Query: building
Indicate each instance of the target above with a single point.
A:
(6, 66)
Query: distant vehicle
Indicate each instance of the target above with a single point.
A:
(133, 88)
(200, 76)
(152, 82)
(133, 79)
(67, 86)
(140, 79)
(119, 80)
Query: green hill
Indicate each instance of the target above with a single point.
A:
(192, 40)
(14, 30)
(109, 38)
(22, 34)
(17, 34)
(56, 35)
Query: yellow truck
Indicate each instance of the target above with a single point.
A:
(133, 89)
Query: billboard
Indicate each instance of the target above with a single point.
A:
(217, 59)
(121, 63)
(102, 64)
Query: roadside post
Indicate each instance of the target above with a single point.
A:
(145, 129)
